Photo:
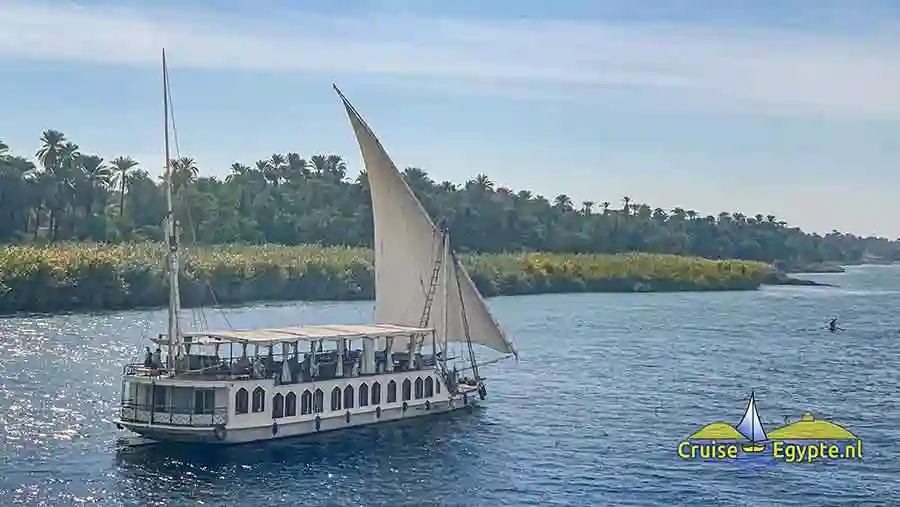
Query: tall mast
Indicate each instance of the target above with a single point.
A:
(445, 286)
(171, 236)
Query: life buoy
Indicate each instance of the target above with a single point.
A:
(318, 423)
(404, 406)
(274, 428)
(482, 391)
(347, 416)
(378, 412)
(427, 405)
(219, 432)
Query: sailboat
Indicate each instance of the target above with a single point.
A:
(751, 427)
(246, 385)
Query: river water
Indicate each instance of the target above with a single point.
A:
(591, 415)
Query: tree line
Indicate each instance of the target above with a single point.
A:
(66, 193)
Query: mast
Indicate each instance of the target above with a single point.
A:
(446, 313)
(174, 338)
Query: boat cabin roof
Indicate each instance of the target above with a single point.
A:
(270, 336)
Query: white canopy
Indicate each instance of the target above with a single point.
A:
(271, 336)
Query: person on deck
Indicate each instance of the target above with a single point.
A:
(157, 358)
(148, 358)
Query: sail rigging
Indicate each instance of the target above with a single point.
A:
(751, 426)
(408, 246)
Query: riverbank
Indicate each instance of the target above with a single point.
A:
(70, 277)
(814, 267)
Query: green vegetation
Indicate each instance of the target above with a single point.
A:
(71, 276)
(68, 194)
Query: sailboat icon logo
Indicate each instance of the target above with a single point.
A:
(806, 440)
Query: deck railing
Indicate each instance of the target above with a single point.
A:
(173, 416)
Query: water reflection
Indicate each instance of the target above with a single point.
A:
(334, 467)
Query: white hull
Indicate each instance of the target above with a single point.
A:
(298, 428)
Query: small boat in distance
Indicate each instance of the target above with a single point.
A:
(235, 386)
(751, 427)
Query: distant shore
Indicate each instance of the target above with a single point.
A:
(88, 277)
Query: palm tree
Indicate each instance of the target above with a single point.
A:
(120, 166)
(96, 176)
(184, 173)
(51, 143)
(625, 208)
(297, 168)
(481, 183)
(563, 202)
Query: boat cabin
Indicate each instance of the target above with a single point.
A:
(200, 386)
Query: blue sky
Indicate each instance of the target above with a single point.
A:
(790, 108)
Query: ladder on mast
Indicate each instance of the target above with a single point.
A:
(429, 297)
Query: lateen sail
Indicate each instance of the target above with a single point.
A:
(750, 425)
(407, 247)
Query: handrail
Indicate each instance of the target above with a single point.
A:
(173, 416)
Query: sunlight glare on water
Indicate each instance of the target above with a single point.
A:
(606, 387)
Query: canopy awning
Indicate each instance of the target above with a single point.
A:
(271, 336)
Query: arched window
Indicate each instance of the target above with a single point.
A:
(437, 385)
(290, 404)
(259, 399)
(348, 397)
(392, 392)
(407, 390)
(336, 399)
(277, 406)
(363, 395)
(319, 402)
(241, 401)
(376, 393)
(420, 388)
(429, 387)
(306, 402)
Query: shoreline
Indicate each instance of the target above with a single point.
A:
(82, 278)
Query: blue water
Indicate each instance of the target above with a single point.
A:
(606, 386)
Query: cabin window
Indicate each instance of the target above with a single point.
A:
(376, 393)
(160, 399)
(319, 401)
(437, 385)
(420, 388)
(392, 392)
(277, 406)
(336, 399)
(363, 395)
(429, 387)
(407, 390)
(241, 401)
(306, 403)
(204, 401)
(290, 404)
(348, 397)
(259, 399)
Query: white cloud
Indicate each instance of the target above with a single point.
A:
(718, 66)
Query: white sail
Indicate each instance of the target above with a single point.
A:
(407, 247)
(750, 425)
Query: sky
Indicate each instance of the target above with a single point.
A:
(789, 108)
